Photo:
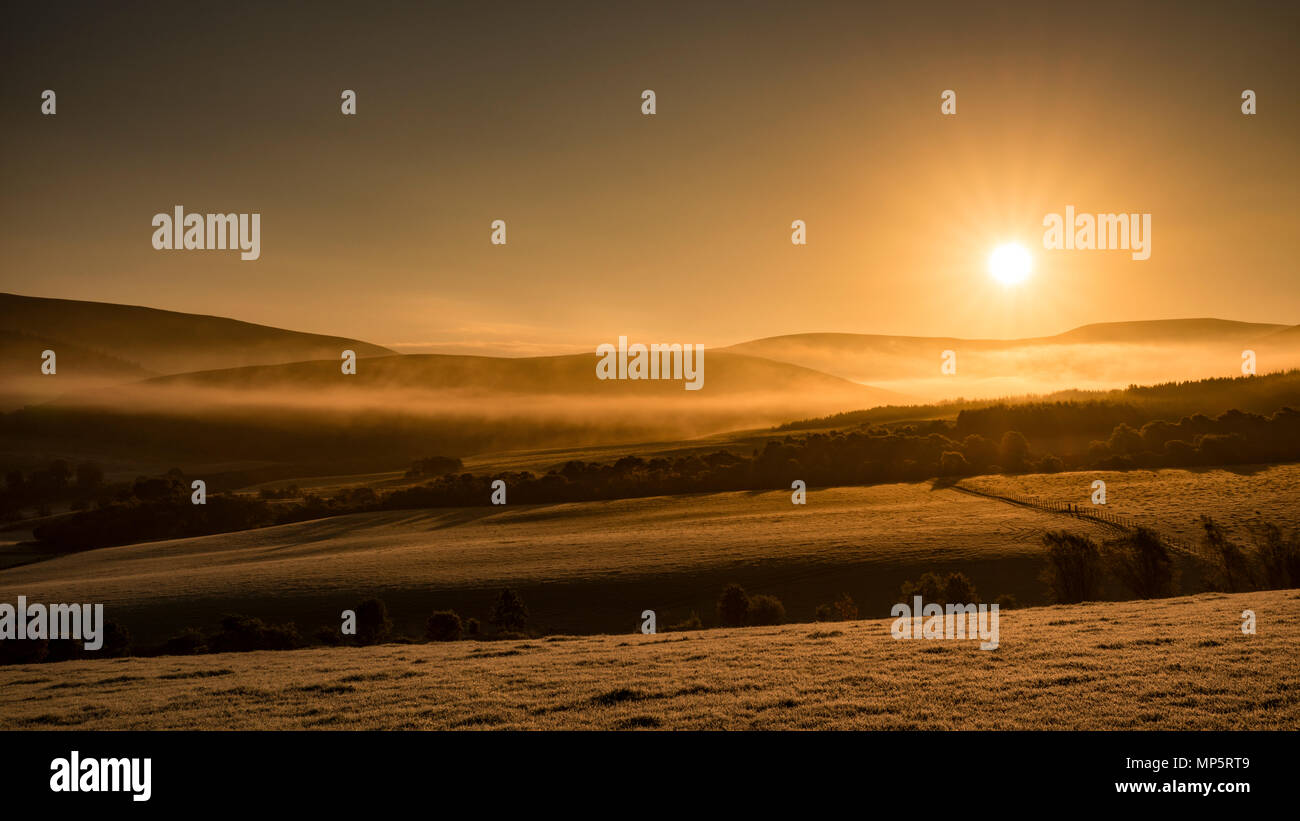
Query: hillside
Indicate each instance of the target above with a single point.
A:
(148, 341)
(399, 408)
(1167, 664)
(1093, 357)
(592, 566)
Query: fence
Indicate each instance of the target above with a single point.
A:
(1093, 513)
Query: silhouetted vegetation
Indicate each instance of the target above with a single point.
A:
(991, 439)
(373, 624)
(842, 609)
(1074, 567)
(733, 606)
(509, 613)
(764, 610)
(434, 466)
(443, 625)
(955, 588)
(1140, 561)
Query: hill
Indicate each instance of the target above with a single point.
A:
(1093, 357)
(396, 409)
(130, 341)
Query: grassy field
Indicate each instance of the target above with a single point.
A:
(593, 567)
(1179, 663)
(1172, 500)
(581, 567)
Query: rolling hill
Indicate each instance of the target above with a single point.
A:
(98, 343)
(1092, 357)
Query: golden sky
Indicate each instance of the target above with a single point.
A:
(674, 227)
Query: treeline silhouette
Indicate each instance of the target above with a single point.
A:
(991, 440)
(1168, 400)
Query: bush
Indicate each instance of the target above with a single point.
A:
(955, 588)
(509, 613)
(929, 587)
(373, 624)
(733, 606)
(1141, 562)
(1074, 568)
(842, 609)
(472, 628)
(1006, 601)
(443, 625)
(958, 589)
(765, 610)
(241, 634)
(952, 463)
(691, 623)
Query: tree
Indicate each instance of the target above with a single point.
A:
(1014, 450)
(1229, 568)
(1073, 573)
(373, 624)
(443, 625)
(764, 610)
(959, 589)
(509, 613)
(1141, 562)
(733, 606)
(952, 463)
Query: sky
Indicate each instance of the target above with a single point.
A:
(667, 228)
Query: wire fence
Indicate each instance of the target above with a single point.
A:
(1092, 513)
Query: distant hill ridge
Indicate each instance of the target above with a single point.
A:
(167, 342)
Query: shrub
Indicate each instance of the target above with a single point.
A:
(1141, 562)
(733, 606)
(958, 589)
(842, 609)
(952, 463)
(472, 628)
(373, 624)
(765, 610)
(240, 634)
(1006, 601)
(443, 625)
(509, 613)
(690, 623)
(1073, 573)
(929, 587)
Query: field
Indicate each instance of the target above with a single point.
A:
(594, 566)
(1180, 663)
(1172, 501)
(581, 567)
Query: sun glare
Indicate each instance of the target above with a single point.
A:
(1010, 264)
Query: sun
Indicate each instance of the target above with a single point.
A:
(1010, 263)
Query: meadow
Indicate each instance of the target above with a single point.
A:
(590, 567)
(1179, 663)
